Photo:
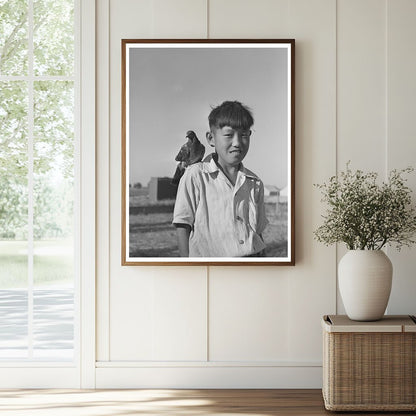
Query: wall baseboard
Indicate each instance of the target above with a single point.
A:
(209, 377)
(39, 377)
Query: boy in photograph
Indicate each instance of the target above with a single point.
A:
(219, 209)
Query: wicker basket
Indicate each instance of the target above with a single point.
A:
(369, 366)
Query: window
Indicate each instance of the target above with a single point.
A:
(38, 185)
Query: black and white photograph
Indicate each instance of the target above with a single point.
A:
(208, 152)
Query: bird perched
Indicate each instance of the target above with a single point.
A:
(191, 152)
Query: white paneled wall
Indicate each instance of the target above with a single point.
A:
(361, 84)
(401, 132)
(248, 315)
(165, 315)
(247, 326)
(361, 88)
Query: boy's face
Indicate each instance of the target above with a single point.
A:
(230, 144)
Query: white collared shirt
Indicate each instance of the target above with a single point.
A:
(225, 220)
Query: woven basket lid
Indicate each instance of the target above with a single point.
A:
(389, 323)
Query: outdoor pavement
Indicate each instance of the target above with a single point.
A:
(53, 324)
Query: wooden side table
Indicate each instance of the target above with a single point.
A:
(369, 366)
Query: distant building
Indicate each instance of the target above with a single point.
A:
(284, 194)
(272, 196)
(161, 189)
(270, 190)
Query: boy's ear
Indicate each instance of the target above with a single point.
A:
(210, 139)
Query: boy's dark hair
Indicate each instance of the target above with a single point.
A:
(231, 113)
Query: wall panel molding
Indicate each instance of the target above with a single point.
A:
(210, 377)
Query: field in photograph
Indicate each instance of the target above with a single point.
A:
(153, 235)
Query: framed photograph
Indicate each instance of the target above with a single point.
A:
(208, 134)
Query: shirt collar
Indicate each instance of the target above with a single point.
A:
(210, 166)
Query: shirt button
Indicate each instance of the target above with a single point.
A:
(241, 241)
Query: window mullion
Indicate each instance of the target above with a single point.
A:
(30, 178)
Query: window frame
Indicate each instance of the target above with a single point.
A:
(81, 371)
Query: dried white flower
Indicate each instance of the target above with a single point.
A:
(365, 215)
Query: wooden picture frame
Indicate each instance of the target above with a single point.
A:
(169, 88)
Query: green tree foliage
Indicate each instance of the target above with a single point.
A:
(52, 118)
(53, 209)
(13, 37)
(13, 159)
(54, 127)
(13, 209)
(13, 129)
(53, 37)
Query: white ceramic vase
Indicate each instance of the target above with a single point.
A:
(364, 278)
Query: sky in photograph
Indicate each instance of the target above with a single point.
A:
(172, 90)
